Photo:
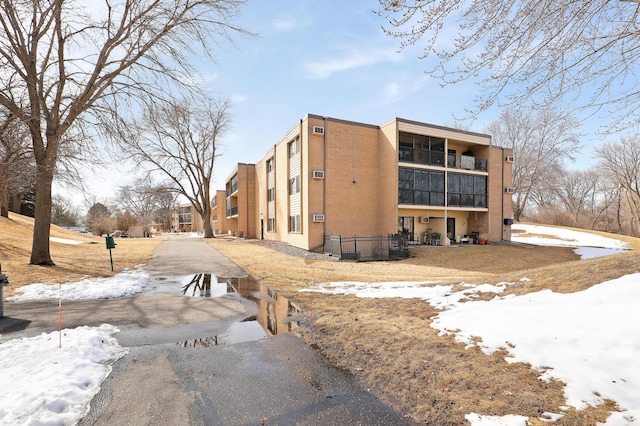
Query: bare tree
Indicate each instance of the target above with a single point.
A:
(145, 200)
(15, 160)
(166, 203)
(541, 141)
(606, 197)
(99, 220)
(178, 139)
(577, 190)
(547, 50)
(68, 65)
(620, 160)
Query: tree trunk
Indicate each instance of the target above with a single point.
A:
(206, 220)
(40, 254)
(4, 195)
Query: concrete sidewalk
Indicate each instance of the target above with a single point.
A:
(174, 374)
(184, 255)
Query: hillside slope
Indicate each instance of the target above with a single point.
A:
(76, 255)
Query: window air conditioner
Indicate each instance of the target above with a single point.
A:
(509, 190)
(424, 219)
(508, 159)
(317, 174)
(318, 218)
(317, 130)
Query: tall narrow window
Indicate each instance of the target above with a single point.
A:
(294, 147)
(294, 185)
(294, 223)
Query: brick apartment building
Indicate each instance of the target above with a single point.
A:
(329, 176)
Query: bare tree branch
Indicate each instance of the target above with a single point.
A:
(178, 139)
(66, 63)
(583, 53)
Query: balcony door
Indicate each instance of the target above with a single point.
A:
(451, 228)
(405, 226)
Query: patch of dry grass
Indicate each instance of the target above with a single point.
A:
(386, 343)
(73, 262)
(390, 346)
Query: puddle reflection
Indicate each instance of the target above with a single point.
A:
(244, 331)
(276, 313)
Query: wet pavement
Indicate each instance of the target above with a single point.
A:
(207, 346)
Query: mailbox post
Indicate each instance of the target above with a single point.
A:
(111, 244)
(3, 282)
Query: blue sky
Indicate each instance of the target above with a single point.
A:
(329, 58)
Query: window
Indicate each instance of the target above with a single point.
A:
(232, 186)
(269, 165)
(294, 185)
(294, 147)
(294, 223)
(466, 190)
(427, 187)
(271, 194)
(421, 149)
(271, 224)
(417, 186)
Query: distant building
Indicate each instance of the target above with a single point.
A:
(184, 218)
(219, 220)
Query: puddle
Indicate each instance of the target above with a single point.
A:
(592, 252)
(276, 314)
(244, 331)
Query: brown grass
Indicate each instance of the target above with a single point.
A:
(390, 346)
(386, 343)
(91, 258)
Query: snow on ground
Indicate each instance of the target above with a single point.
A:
(64, 241)
(45, 384)
(590, 339)
(440, 296)
(127, 283)
(562, 237)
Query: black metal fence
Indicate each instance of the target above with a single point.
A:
(365, 248)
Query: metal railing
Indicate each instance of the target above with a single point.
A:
(437, 158)
(366, 248)
(233, 211)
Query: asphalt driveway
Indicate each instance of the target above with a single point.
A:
(180, 371)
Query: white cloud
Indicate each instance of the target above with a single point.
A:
(285, 23)
(393, 89)
(353, 58)
(237, 99)
(399, 88)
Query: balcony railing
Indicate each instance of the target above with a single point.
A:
(437, 158)
(233, 211)
(421, 156)
(232, 189)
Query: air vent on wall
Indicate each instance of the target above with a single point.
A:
(509, 158)
(424, 219)
(317, 130)
(317, 174)
(317, 218)
(509, 190)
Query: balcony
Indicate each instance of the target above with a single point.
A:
(233, 211)
(421, 156)
(437, 158)
(232, 189)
